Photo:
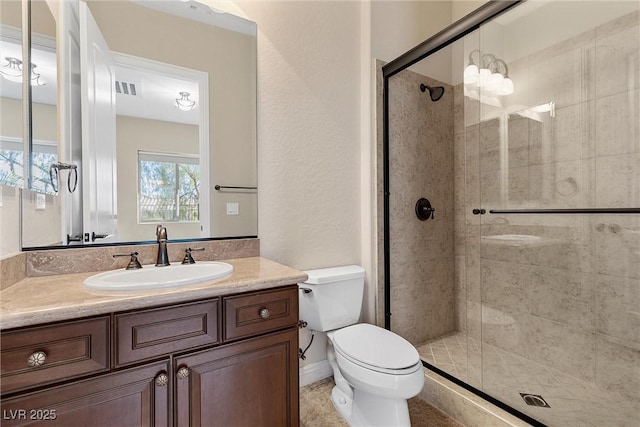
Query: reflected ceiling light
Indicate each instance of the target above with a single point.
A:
(490, 74)
(12, 71)
(184, 103)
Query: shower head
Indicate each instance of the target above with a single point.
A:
(435, 92)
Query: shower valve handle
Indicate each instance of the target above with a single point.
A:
(424, 210)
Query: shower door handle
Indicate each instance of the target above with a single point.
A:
(477, 211)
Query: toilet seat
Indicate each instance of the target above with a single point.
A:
(377, 349)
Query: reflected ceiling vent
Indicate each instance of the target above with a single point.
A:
(125, 88)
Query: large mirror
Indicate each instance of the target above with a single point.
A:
(146, 115)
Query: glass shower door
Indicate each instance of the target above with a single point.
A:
(559, 280)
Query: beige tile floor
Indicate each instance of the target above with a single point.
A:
(316, 409)
(504, 375)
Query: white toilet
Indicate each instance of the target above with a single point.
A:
(375, 370)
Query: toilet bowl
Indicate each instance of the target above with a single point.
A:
(374, 369)
(382, 371)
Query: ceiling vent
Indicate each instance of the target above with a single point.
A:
(125, 88)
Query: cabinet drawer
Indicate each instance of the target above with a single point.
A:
(256, 313)
(42, 355)
(151, 333)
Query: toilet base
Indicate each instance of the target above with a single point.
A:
(342, 403)
(366, 409)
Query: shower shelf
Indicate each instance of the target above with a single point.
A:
(568, 211)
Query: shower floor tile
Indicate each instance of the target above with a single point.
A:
(448, 353)
(505, 375)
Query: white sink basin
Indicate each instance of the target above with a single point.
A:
(151, 277)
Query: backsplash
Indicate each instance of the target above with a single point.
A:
(82, 260)
(12, 270)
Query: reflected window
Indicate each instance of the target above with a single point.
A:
(12, 164)
(168, 187)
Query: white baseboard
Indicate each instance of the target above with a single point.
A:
(313, 372)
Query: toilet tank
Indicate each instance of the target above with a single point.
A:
(331, 298)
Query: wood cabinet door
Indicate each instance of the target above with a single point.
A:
(133, 397)
(249, 383)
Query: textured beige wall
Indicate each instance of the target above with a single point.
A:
(309, 145)
(397, 26)
(460, 8)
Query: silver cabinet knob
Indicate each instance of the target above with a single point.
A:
(265, 313)
(162, 379)
(37, 359)
(183, 373)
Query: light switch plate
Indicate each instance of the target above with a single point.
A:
(233, 209)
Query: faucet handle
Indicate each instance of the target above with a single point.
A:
(134, 264)
(188, 259)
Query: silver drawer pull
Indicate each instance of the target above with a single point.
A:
(183, 373)
(265, 313)
(37, 359)
(162, 379)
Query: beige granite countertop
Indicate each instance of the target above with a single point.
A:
(36, 300)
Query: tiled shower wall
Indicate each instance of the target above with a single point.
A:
(421, 160)
(567, 296)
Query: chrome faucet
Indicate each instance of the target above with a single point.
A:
(163, 256)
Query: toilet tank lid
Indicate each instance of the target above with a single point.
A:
(334, 274)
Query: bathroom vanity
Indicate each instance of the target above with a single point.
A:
(223, 352)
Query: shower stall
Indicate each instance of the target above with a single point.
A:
(509, 207)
